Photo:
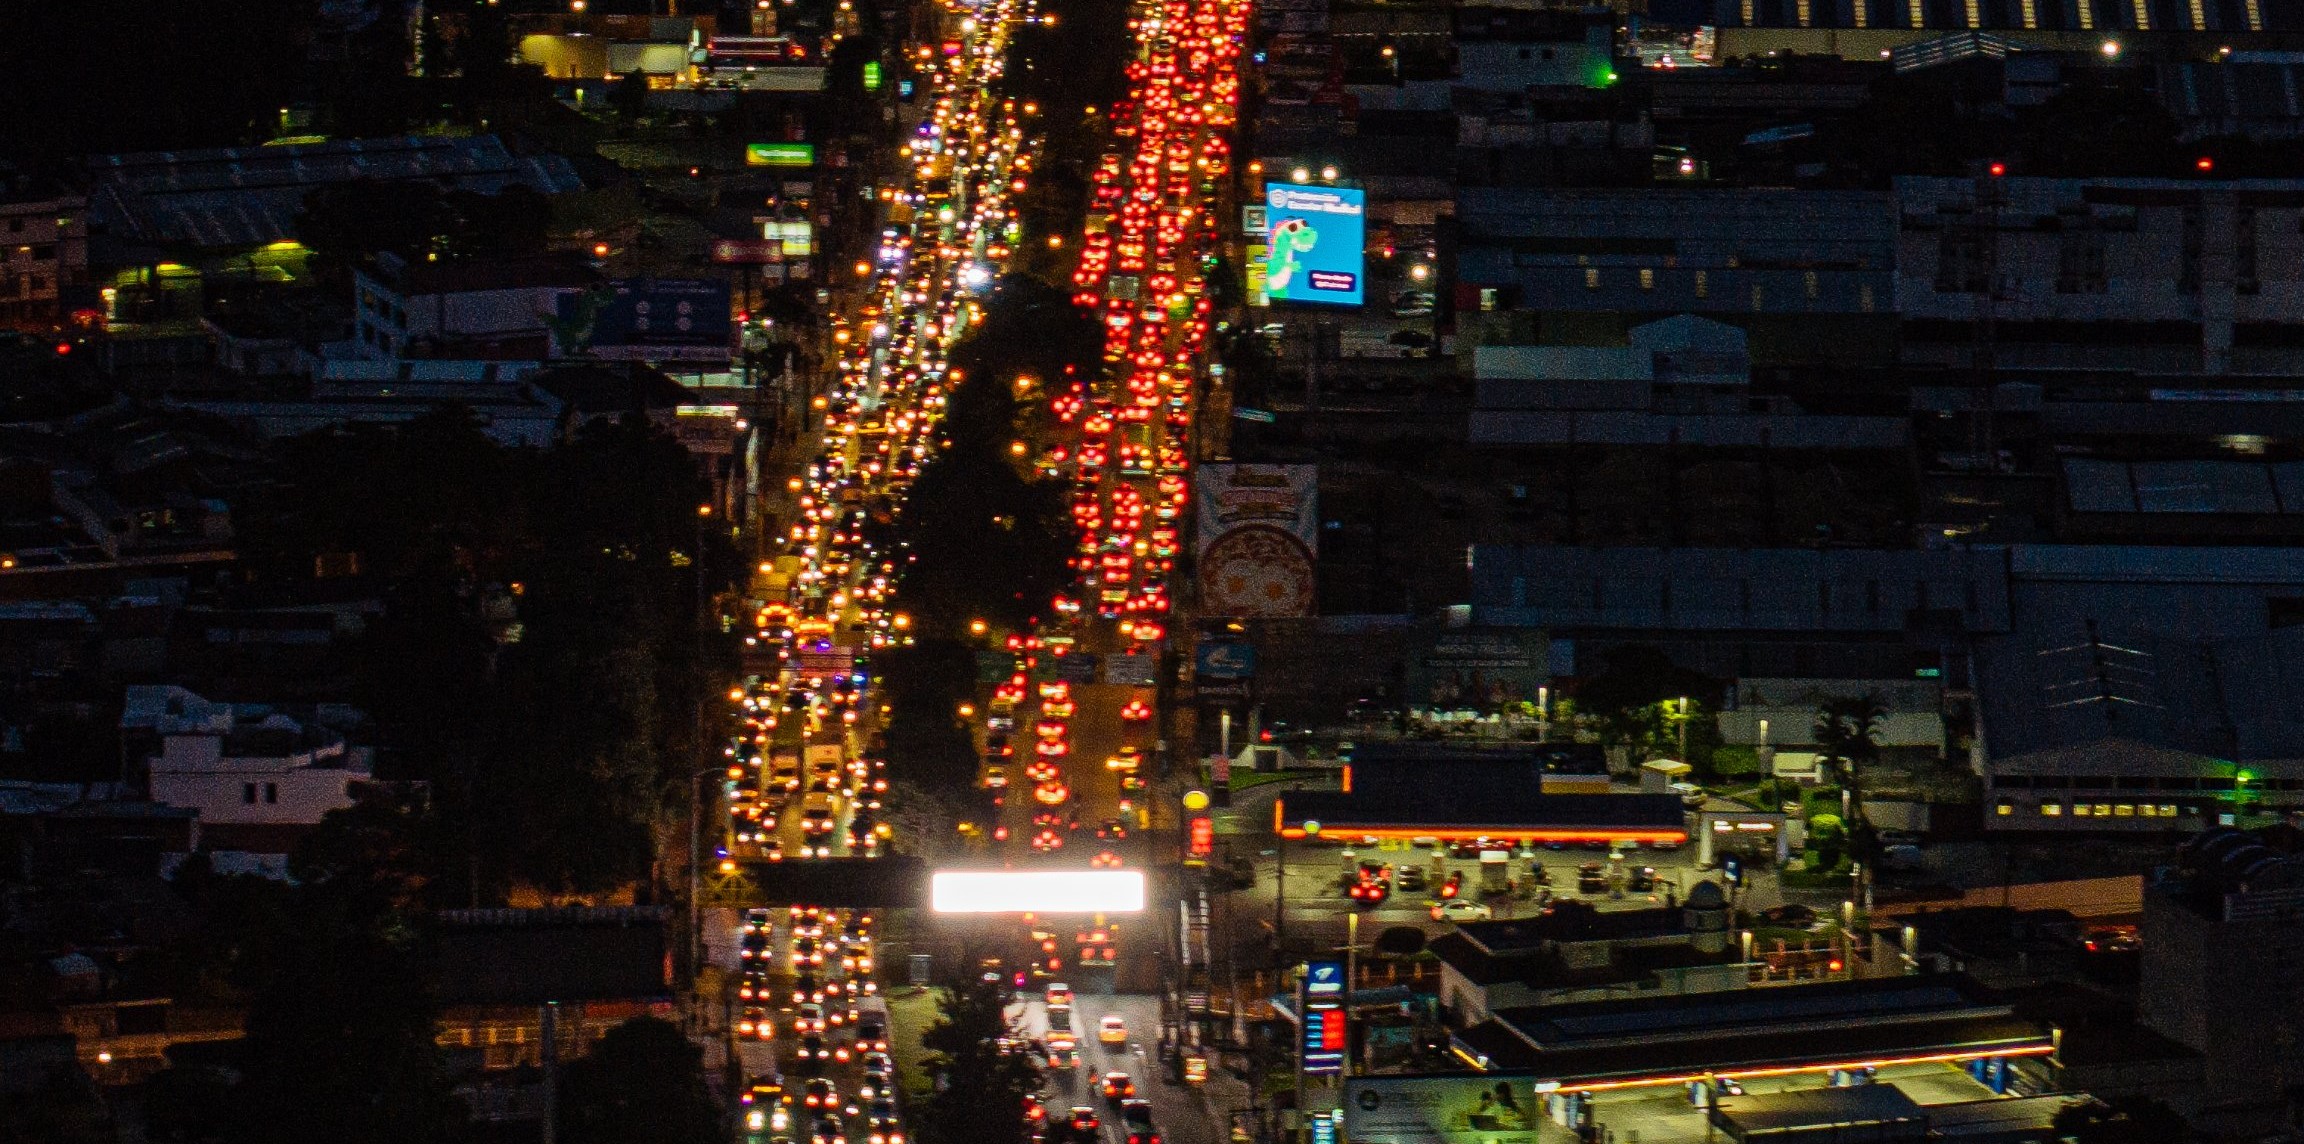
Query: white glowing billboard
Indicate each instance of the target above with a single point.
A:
(1043, 892)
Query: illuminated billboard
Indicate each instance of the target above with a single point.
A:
(779, 154)
(1482, 1109)
(1313, 251)
(1041, 891)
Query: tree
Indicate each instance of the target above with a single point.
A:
(642, 1084)
(1628, 698)
(1848, 740)
(987, 1072)
(341, 1021)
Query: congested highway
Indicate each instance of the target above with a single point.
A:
(1076, 750)
(1072, 757)
(808, 1027)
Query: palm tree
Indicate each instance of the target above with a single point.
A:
(1848, 740)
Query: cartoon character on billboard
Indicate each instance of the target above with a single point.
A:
(1290, 238)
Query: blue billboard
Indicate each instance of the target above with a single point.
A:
(1316, 241)
(647, 319)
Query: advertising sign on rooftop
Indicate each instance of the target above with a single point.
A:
(1481, 1109)
(1315, 242)
(648, 319)
(1040, 891)
(779, 154)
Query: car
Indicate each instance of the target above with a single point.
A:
(754, 1024)
(1118, 1086)
(821, 1093)
(1059, 708)
(1460, 911)
(1112, 1030)
(1137, 711)
(1591, 878)
(826, 1130)
(872, 1034)
(1058, 995)
(1084, 1121)
(995, 777)
(1126, 759)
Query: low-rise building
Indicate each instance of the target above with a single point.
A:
(43, 259)
(2221, 975)
(483, 309)
(258, 777)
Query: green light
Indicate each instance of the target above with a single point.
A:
(871, 75)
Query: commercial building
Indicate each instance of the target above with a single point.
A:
(1853, 614)
(1806, 273)
(1575, 953)
(2159, 275)
(2221, 975)
(2142, 689)
(258, 777)
(1682, 380)
(226, 199)
(1658, 1063)
(43, 259)
(1871, 29)
(499, 309)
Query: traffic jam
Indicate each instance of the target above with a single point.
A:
(1072, 786)
(801, 783)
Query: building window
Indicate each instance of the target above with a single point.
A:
(1759, 297)
(1524, 54)
(248, 793)
(2244, 254)
(1864, 296)
(2051, 809)
(1703, 287)
(1487, 298)
(1591, 279)
(2167, 810)
(1808, 283)
(1960, 260)
(2080, 256)
(271, 792)
(2124, 810)
(1647, 279)
(2004, 807)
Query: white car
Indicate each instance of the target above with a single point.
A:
(1458, 910)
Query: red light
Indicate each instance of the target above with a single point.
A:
(2204, 163)
(1834, 965)
(1998, 169)
(63, 348)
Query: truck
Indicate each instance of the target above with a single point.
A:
(1495, 871)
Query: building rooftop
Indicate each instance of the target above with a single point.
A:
(1855, 1107)
(249, 196)
(465, 276)
(528, 957)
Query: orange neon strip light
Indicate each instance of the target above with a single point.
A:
(1499, 833)
(1790, 1070)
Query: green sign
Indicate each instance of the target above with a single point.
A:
(871, 75)
(779, 154)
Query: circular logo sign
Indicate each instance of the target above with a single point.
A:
(1256, 570)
